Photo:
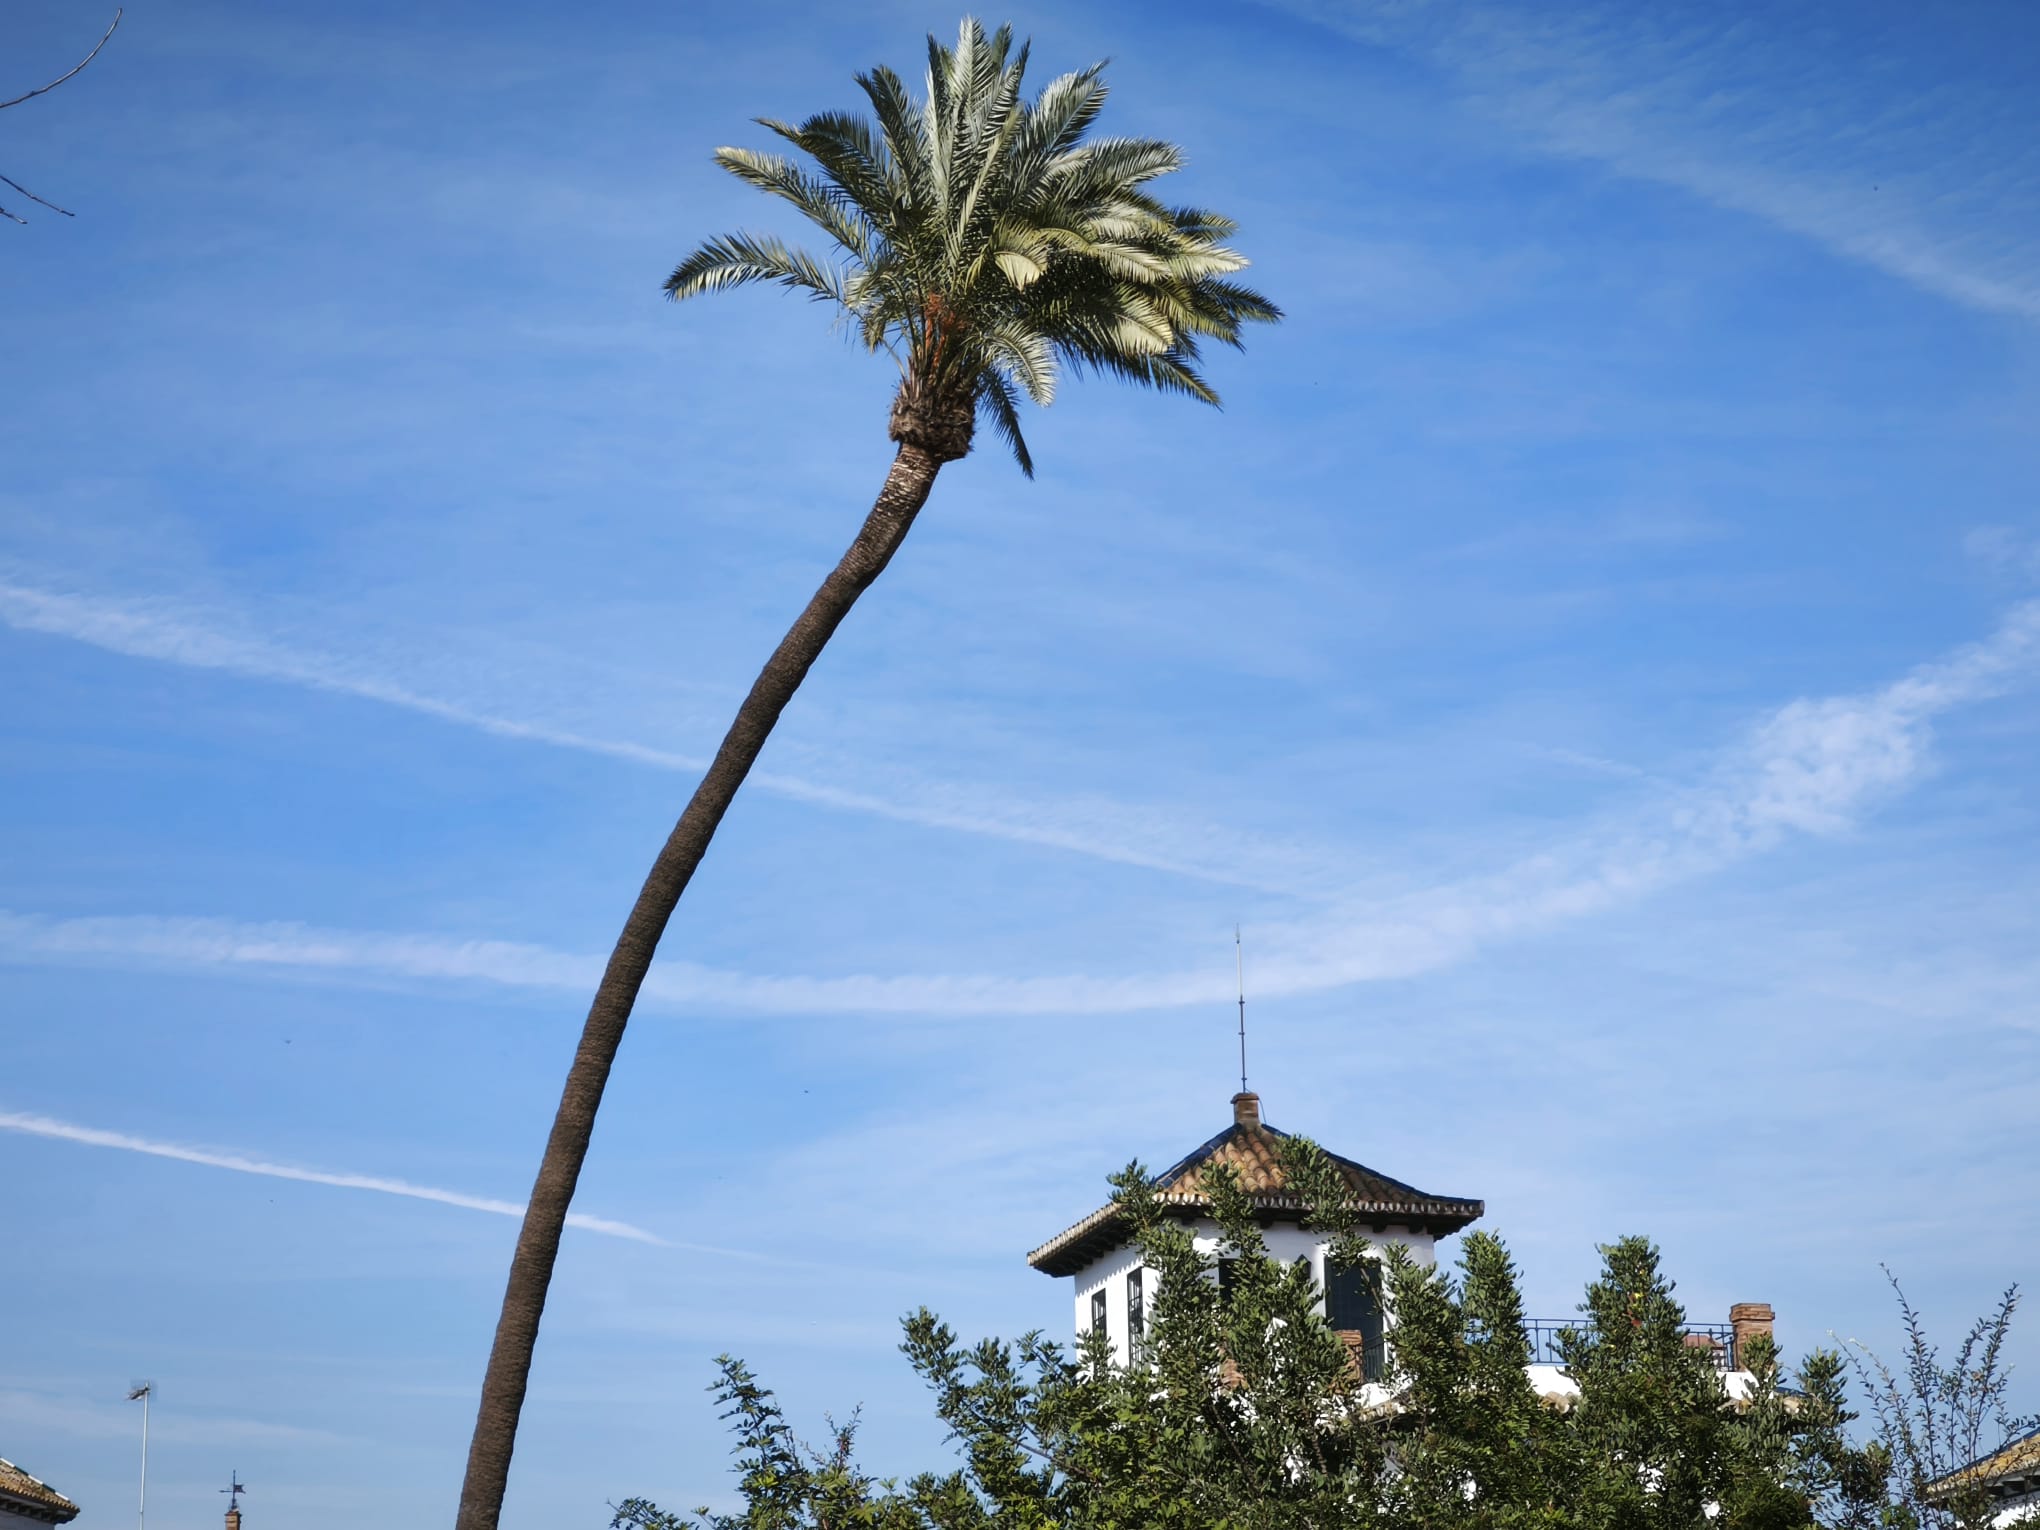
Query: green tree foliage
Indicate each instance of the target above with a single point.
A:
(1242, 1410)
(1936, 1416)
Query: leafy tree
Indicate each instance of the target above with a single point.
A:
(985, 243)
(1471, 1444)
(1936, 1417)
(1797, 1444)
(786, 1484)
(1652, 1410)
(1242, 1410)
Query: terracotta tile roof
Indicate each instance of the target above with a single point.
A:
(2008, 1472)
(33, 1499)
(1254, 1149)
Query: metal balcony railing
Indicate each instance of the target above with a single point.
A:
(1716, 1338)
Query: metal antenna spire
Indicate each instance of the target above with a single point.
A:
(234, 1489)
(142, 1392)
(1240, 968)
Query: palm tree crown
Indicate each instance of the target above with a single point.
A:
(984, 243)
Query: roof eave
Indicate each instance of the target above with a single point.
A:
(1103, 1230)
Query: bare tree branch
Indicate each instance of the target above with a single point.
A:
(9, 180)
(8, 213)
(53, 84)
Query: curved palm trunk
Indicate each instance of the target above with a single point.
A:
(538, 1242)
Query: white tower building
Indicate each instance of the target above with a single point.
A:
(1111, 1289)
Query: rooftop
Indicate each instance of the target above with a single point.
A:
(2010, 1471)
(1253, 1149)
(33, 1498)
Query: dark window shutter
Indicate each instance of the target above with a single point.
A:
(1352, 1305)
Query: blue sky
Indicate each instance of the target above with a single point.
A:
(1592, 655)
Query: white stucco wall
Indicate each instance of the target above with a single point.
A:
(2023, 1510)
(1286, 1243)
(1552, 1381)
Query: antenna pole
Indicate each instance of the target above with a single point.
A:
(1240, 970)
(145, 1391)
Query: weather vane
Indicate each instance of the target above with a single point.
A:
(234, 1489)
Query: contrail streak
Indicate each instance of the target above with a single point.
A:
(158, 631)
(92, 1136)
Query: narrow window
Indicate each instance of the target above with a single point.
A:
(1098, 1309)
(1136, 1305)
(1353, 1305)
(1225, 1279)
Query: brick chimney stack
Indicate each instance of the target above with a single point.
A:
(1246, 1109)
(1749, 1319)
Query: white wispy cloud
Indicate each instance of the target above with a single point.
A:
(1834, 145)
(2006, 551)
(1813, 766)
(214, 1158)
(172, 632)
(283, 946)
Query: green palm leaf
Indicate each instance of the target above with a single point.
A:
(731, 260)
(1003, 410)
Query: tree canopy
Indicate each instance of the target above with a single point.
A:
(1242, 1409)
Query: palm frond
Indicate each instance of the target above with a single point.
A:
(820, 204)
(850, 155)
(996, 402)
(899, 125)
(1202, 223)
(732, 260)
(1126, 163)
(1166, 374)
(1022, 354)
(1021, 268)
(1061, 114)
(996, 124)
(1219, 308)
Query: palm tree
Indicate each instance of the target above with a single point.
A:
(985, 245)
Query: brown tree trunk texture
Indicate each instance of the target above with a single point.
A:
(538, 1241)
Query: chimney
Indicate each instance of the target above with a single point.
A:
(1246, 1111)
(1748, 1319)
